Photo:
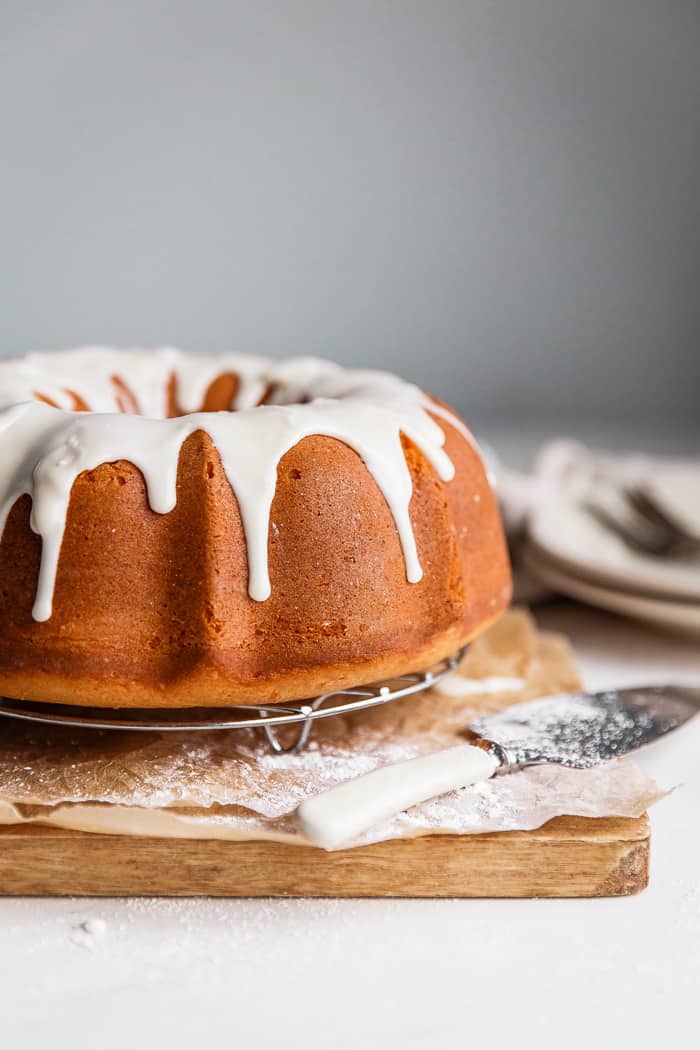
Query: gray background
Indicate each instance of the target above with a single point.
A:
(498, 199)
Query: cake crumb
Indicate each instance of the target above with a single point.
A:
(87, 932)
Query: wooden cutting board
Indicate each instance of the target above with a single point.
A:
(568, 857)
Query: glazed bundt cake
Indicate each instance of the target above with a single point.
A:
(182, 530)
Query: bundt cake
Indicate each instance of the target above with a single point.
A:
(182, 530)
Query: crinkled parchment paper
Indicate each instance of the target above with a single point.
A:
(226, 784)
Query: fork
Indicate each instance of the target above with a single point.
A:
(645, 526)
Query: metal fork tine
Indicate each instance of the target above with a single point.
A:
(645, 504)
(644, 535)
(643, 542)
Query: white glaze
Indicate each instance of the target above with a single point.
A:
(44, 449)
(457, 684)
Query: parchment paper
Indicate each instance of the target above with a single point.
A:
(228, 785)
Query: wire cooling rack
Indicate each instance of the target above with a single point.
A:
(269, 718)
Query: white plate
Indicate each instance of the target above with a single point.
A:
(672, 615)
(563, 530)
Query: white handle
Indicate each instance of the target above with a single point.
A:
(343, 812)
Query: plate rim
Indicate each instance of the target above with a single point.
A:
(648, 609)
(600, 578)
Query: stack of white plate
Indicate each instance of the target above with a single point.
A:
(571, 553)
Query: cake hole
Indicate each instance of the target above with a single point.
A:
(210, 469)
(333, 629)
(295, 474)
(211, 619)
(220, 396)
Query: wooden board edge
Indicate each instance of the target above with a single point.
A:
(568, 857)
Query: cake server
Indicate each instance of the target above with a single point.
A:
(575, 729)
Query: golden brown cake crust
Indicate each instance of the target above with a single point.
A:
(152, 610)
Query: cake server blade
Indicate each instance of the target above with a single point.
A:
(573, 729)
(583, 729)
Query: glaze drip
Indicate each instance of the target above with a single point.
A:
(44, 448)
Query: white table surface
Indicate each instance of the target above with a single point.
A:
(378, 973)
